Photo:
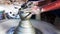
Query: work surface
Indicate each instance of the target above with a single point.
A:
(44, 27)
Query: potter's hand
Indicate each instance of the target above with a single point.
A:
(35, 10)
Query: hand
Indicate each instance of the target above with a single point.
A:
(35, 10)
(35, 3)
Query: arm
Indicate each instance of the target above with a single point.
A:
(51, 6)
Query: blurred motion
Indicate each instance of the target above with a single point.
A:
(45, 15)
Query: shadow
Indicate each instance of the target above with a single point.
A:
(38, 31)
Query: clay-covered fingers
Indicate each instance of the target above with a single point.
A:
(35, 10)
